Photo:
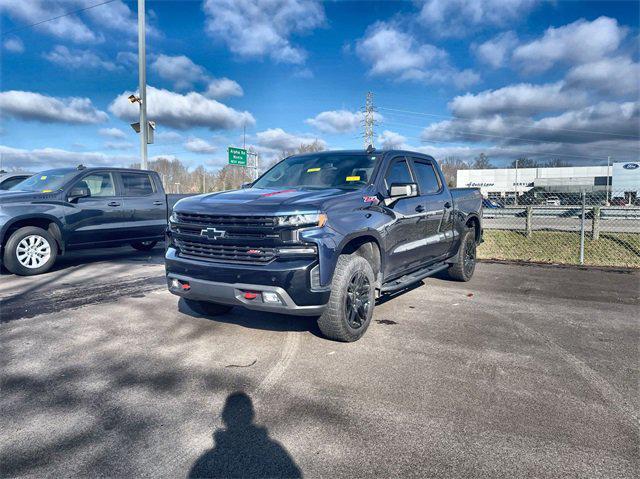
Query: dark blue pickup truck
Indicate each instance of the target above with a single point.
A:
(322, 234)
(69, 208)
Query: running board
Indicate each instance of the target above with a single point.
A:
(414, 277)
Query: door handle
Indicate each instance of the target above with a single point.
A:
(419, 208)
(158, 203)
(447, 205)
(113, 203)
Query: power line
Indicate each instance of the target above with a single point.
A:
(57, 17)
(522, 125)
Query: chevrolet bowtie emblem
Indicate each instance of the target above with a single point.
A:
(213, 233)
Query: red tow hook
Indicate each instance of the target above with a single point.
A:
(250, 295)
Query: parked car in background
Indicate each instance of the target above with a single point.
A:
(321, 234)
(489, 203)
(552, 201)
(62, 209)
(9, 180)
(619, 201)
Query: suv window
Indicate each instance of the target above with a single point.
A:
(11, 182)
(137, 184)
(398, 173)
(99, 184)
(427, 177)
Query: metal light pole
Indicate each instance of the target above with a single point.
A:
(608, 179)
(516, 201)
(142, 73)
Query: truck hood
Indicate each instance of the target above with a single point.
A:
(258, 201)
(17, 196)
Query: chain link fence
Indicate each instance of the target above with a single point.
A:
(591, 228)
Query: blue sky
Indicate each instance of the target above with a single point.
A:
(509, 78)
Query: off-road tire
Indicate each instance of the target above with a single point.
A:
(334, 323)
(144, 245)
(206, 308)
(465, 265)
(10, 256)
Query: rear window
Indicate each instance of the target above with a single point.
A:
(137, 184)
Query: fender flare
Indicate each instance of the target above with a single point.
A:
(55, 227)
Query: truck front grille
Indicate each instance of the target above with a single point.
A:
(227, 221)
(225, 252)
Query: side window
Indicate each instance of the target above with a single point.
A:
(398, 173)
(11, 182)
(99, 184)
(427, 177)
(137, 184)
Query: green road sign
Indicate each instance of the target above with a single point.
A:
(237, 156)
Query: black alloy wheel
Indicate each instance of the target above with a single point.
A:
(358, 300)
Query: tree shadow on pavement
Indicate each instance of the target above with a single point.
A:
(242, 448)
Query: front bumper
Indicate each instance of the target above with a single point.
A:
(227, 283)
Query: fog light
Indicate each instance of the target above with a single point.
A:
(269, 297)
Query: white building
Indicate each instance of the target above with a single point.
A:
(622, 179)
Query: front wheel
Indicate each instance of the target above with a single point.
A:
(30, 251)
(144, 245)
(350, 307)
(465, 265)
(206, 308)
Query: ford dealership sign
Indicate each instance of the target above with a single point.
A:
(631, 166)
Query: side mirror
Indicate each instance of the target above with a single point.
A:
(77, 193)
(398, 191)
(246, 185)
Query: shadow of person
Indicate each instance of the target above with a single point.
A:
(243, 449)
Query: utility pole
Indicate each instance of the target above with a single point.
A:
(516, 201)
(369, 121)
(608, 190)
(142, 74)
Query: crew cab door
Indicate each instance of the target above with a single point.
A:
(404, 236)
(97, 218)
(438, 206)
(145, 206)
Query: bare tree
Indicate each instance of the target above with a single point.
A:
(481, 162)
(450, 166)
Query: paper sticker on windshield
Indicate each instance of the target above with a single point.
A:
(353, 178)
(43, 178)
(313, 170)
(47, 191)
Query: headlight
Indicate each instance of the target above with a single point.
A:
(307, 219)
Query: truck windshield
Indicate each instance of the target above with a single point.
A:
(46, 181)
(348, 172)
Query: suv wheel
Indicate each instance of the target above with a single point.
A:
(30, 251)
(144, 245)
(352, 300)
(206, 308)
(463, 268)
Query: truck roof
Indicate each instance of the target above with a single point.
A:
(364, 152)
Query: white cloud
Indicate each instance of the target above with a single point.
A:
(277, 140)
(13, 45)
(30, 106)
(398, 55)
(118, 145)
(180, 70)
(390, 140)
(70, 27)
(42, 158)
(222, 88)
(78, 59)
(116, 133)
(260, 28)
(182, 111)
(336, 121)
(496, 51)
(617, 76)
(198, 145)
(127, 59)
(518, 100)
(578, 42)
(459, 18)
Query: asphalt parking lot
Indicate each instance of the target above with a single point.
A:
(524, 371)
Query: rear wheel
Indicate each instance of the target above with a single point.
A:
(465, 265)
(30, 251)
(206, 308)
(350, 308)
(144, 245)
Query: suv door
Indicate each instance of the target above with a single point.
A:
(438, 208)
(96, 219)
(405, 235)
(145, 206)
